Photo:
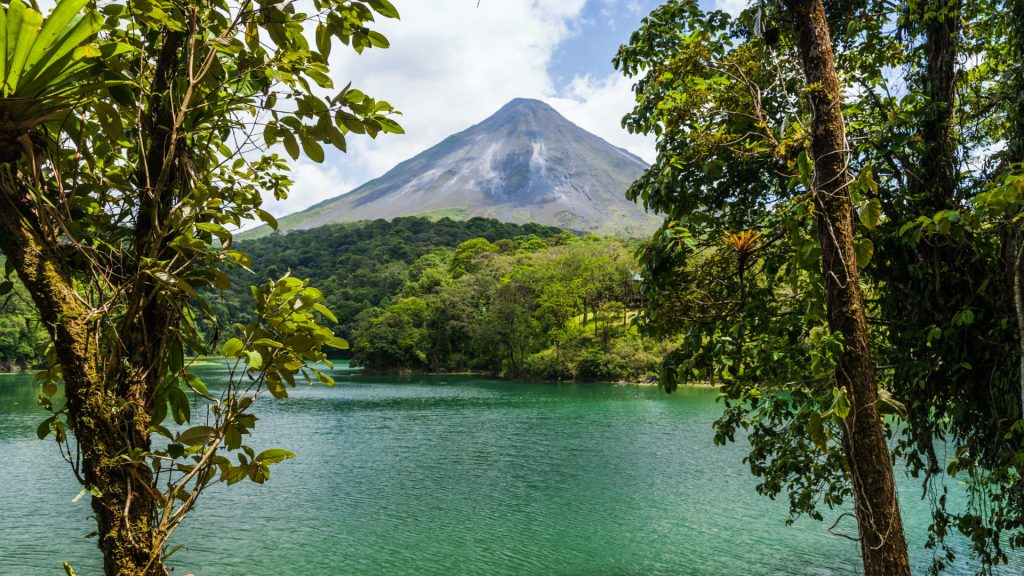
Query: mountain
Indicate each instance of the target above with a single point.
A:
(526, 163)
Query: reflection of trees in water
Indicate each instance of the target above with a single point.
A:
(18, 394)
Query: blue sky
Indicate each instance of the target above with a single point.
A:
(452, 63)
(604, 26)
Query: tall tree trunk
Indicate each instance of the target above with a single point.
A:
(936, 273)
(883, 547)
(1016, 153)
(936, 180)
(1018, 301)
(122, 502)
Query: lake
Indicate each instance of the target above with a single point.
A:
(455, 476)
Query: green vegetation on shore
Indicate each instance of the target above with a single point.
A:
(519, 301)
(21, 335)
(416, 294)
(519, 308)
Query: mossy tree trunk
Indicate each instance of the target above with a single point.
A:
(883, 547)
(1016, 155)
(104, 429)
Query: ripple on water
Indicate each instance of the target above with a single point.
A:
(453, 476)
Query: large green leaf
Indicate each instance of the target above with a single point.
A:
(55, 27)
(52, 67)
(3, 44)
(31, 21)
(14, 15)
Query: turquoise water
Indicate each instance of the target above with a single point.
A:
(454, 476)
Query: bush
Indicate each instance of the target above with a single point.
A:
(548, 365)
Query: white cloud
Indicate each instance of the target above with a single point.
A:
(598, 105)
(313, 183)
(451, 65)
(733, 7)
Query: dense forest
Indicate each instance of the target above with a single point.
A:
(520, 301)
(518, 308)
(360, 265)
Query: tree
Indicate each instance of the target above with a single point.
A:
(470, 255)
(133, 138)
(731, 132)
(739, 269)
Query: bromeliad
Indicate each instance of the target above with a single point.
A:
(42, 64)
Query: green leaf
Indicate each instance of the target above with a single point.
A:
(196, 384)
(216, 229)
(29, 29)
(175, 450)
(175, 281)
(15, 13)
(232, 347)
(816, 431)
(384, 8)
(198, 436)
(290, 144)
(56, 25)
(179, 405)
(889, 405)
(267, 218)
(377, 39)
(158, 413)
(323, 40)
(326, 312)
(86, 51)
(44, 428)
(806, 170)
(312, 149)
(3, 47)
(865, 250)
(322, 80)
(274, 455)
(871, 213)
(840, 403)
(53, 67)
(390, 126)
(254, 359)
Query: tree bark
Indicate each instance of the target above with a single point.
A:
(936, 181)
(1016, 150)
(883, 547)
(1018, 301)
(124, 504)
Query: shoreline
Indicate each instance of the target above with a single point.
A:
(207, 361)
(407, 373)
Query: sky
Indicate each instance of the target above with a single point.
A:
(453, 63)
